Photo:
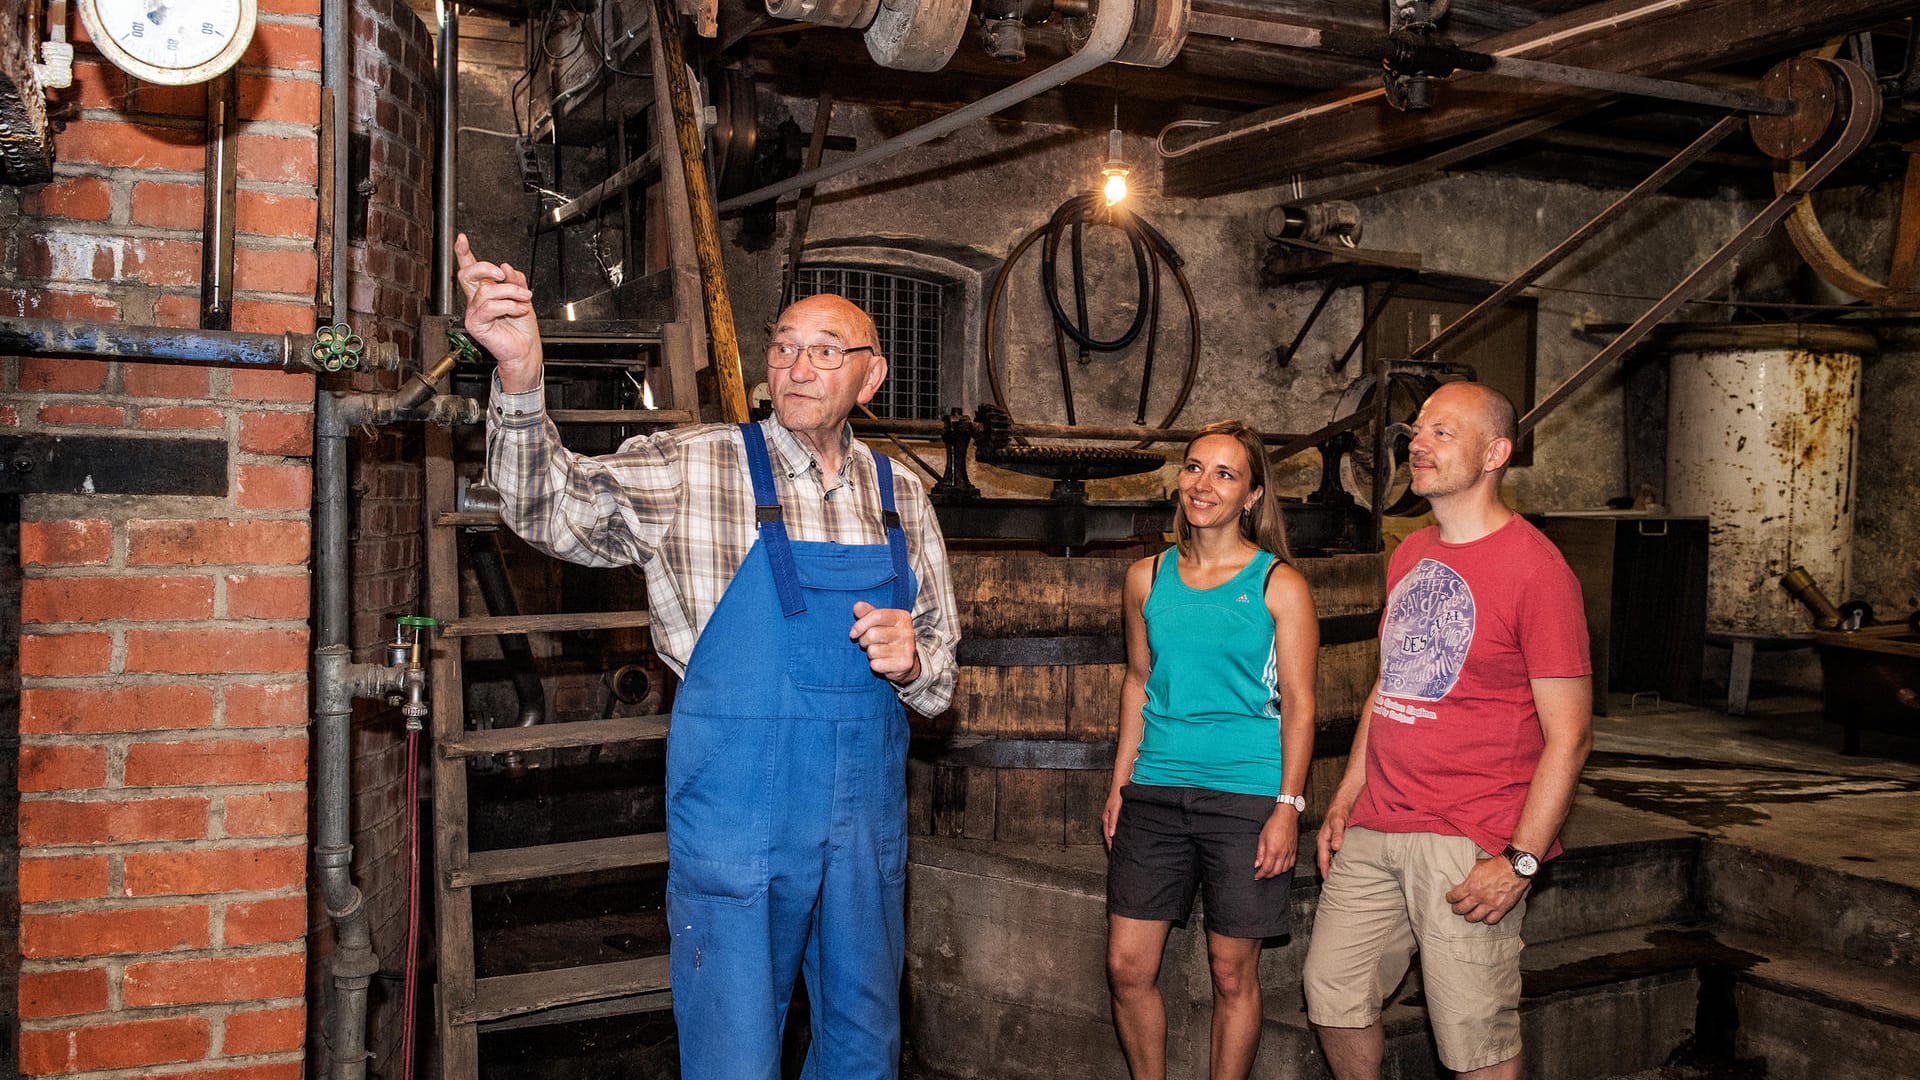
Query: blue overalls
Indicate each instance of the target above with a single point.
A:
(786, 809)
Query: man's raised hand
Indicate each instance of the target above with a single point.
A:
(500, 317)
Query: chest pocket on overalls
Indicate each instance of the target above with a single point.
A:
(821, 657)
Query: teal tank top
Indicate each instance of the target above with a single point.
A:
(1213, 696)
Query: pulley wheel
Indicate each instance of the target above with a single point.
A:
(1406, 393)
(736, 131)
(917, 35)
(1819, 93)
(1158, 33)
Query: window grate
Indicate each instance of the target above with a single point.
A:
(907, 313)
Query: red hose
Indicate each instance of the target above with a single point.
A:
(413, 906)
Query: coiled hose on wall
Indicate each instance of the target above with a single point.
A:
(1151, 251)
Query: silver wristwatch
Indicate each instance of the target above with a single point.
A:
(1298, 802)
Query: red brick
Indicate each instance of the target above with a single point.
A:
(77, 257)
(90, 710)
(293, 101)
(290, 7)
(44, 823)
(62, 768)
(53, 304)
(9, 416)
(265, 1032)
(168, 206)
(274, 487)
(138, 146)
(65, 543)
(187, 873)
(85, 198)
(164, 100)
(174, 309)
(268, 922)
(273, 160)
(260, 317)
(164, 380)
(288, 434)
(263, 213)
(115, 1046)
(284, 47)
(46, 880)
(54, 655)
(62, 993)
(123, 930)
(217, 761)
(275, 271)
(61, 376)
(202, 543)
(96, 85)
(269, 705)
(96, 599)
(83, 415)
(190, 982)
(251, 385)
(258, 596)
(216, 652)
(285, 1070)
(169, 418)
(276, 813)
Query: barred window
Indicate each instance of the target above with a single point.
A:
(907, 313)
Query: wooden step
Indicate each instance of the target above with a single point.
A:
(620, 729)
(560, 623)
(555, 860)
(541, 996)
(621, 416)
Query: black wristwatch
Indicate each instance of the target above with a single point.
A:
(1525, 863)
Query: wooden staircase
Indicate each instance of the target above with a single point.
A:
(467, 1005)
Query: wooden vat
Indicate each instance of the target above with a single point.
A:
(1025, 753)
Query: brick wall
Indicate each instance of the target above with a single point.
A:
(163, 647)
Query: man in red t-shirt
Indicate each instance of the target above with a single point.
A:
(1463, 765)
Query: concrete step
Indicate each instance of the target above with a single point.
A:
(1857, 917)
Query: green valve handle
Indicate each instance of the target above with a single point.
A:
(421, 621)
(462, 343)
(337, 347)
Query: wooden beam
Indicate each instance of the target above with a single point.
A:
(1642, 37)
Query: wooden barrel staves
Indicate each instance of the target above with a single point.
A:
(1025, 753)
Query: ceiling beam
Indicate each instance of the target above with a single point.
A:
(1641, 37)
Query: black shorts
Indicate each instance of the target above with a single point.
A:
(1171, 841)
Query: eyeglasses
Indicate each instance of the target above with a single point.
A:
(784, 354)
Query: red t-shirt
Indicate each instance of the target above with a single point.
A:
(1454, 737)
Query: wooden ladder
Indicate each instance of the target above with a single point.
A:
(467, 1005)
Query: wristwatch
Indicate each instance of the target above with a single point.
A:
(1298, 802)
(1525, 863)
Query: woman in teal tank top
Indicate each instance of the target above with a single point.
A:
(1216, 729)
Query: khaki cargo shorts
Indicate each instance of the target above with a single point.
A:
(1385, 896)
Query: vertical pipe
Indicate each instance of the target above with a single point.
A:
(449, 59)
(216, 235)
(353, 962)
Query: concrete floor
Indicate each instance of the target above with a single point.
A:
(1774, 781)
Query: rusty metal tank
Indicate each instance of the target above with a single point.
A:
(1762, 431)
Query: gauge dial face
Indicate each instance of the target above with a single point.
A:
(171, 41)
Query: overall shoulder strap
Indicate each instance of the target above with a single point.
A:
(773, 529)
(896, 536)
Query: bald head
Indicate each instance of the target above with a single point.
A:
(1493, 409)
(846, 318)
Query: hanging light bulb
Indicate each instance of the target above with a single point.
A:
(1115, 170)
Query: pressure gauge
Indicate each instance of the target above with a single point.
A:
(175, 42)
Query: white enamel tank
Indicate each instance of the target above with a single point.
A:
(1762, 428)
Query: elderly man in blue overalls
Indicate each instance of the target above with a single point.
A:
(799, 586)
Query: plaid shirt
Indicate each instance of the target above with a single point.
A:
(679, 504)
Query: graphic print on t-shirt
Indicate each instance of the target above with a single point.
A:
(1429, 627)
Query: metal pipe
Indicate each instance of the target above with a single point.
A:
(497, 591)
(216, 233)
(1111, 22)
(934, 429)
(353, 962)
(449, 59)
(118, 341)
